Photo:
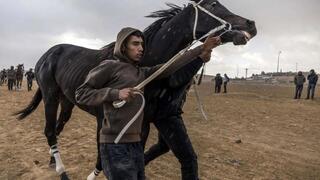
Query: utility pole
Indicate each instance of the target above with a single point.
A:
(237, 71)
(296, 67)
(278, 61)
(246, 72)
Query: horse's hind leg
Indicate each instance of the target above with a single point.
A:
(65, 114)
(51, 103)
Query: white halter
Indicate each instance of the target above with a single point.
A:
(225, 25)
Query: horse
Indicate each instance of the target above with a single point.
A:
(64, 67)
(19, 76)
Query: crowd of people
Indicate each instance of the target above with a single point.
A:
(299, 81)
(12, 77)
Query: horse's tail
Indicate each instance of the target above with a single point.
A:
(31, 107)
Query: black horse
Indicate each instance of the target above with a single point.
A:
(64, 67)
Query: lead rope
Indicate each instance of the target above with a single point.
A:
(226, 26)
(199, 100)
(126, 127)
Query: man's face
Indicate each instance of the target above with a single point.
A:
(134, 50)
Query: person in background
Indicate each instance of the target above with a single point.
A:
(218, 83)
(313, 79)
(226, 79)
(30, 77)
(299, 80)
(11, 75)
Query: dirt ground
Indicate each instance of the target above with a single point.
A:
(280, 137)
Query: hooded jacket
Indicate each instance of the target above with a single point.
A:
(313, 78)
(103, 83)
(299, 79)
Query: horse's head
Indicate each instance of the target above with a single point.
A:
(20, 66)
(211, 14)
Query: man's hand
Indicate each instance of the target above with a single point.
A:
(126, 94)
(205, 56)
(210, 43)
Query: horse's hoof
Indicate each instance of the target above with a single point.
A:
(52, 163)
(64, 176)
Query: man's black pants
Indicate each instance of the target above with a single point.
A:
(10, 84)
(174, 134)
(156, 150)
(299, 89)
(225, 87)
(29, 83)
(311, 89)
(217, 88)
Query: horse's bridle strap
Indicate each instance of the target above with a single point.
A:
(224, 23)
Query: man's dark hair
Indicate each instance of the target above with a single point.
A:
(136, 33)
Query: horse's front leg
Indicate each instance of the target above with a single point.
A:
(98, 168)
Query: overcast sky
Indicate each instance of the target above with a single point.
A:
(29, 28)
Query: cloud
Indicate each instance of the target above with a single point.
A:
(74, 38)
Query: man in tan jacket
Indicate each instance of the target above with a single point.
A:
(113, 80)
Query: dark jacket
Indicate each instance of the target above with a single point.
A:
(11, 74)
(29, 75)
(103, 83)
(218, 80)
(299, 80)
(313, 78)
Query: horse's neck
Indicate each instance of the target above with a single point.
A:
(169, 40)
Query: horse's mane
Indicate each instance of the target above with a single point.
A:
(163, 17)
